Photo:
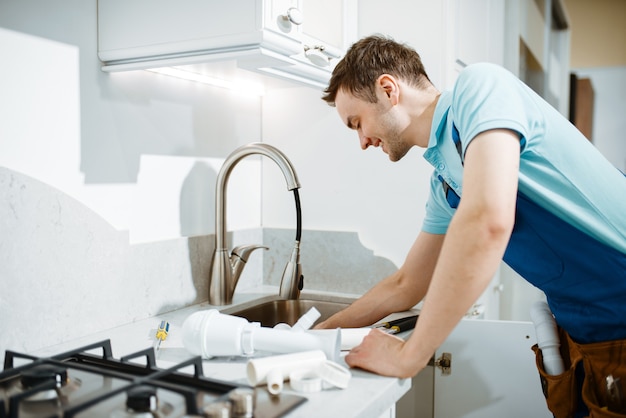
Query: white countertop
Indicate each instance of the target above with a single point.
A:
(368, 395)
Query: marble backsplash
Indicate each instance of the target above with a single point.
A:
(331, 260)
(66, 273)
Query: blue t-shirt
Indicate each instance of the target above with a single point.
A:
(559, 168)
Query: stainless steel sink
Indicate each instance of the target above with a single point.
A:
(274, 311)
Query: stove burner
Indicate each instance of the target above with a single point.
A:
(42, 374)
(141, 399)
(55, 376)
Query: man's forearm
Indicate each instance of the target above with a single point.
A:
(388, 296)
(468, 261)
(397, 292)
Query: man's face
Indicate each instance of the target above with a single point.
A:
(377, 124)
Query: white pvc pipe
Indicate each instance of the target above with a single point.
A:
(350, 337)
(266, 369)
(287, 341)
(547, 337)
(307, 320)
(275, 381)
(210, 333)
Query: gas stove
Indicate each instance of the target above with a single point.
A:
(79, 383)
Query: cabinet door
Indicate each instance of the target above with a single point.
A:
(313, 22)
(493, 373)
(323, 28)
(479, 31)
(131, 29)
(323, 22)
(279, 17)
(475, 34)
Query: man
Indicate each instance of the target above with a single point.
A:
(512, 179)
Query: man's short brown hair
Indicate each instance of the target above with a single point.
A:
(368, 59)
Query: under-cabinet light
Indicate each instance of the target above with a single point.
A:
(243, 87)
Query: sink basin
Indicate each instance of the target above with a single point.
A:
(272, 312)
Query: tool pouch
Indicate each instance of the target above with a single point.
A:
(561, 391)
(599, 360)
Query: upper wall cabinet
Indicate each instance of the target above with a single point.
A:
(297, 40)
(475, 34)
(479, 31)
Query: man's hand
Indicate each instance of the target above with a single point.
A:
(382, 353)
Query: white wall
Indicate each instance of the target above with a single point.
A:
(137, 154)
(343, 187)
(99, 137)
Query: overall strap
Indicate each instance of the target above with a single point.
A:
(457, 141)
(452, 197)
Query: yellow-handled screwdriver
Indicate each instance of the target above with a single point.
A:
(161, 334)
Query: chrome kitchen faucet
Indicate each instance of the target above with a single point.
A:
(225, 269)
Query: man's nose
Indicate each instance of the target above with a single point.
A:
(365, 141)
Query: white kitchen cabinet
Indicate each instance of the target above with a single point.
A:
(324, 21)
(543, 49)
(492, 374)
(479, 31)
(475, 34)
(329, 25)
(268, 36)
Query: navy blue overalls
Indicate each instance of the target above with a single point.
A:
(584, 280)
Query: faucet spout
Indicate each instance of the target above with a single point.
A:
(224, 274)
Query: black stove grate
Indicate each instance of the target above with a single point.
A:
(134, 374)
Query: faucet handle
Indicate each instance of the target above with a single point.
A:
(243, 251)
(238, 258)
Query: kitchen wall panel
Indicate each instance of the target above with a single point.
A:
(91, 129)
(343, 187)
(72, 144)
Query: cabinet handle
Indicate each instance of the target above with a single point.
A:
(316, 55)
(321, 55)
(292, 17)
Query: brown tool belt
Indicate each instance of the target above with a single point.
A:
(603, 379)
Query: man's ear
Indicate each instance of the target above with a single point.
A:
(389, 86)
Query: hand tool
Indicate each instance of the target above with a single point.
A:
(161, 334)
